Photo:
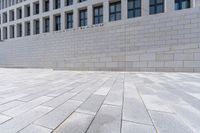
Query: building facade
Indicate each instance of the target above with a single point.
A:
(126, 35)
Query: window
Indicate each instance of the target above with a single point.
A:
(81, 1)
(36, 26)
(156, 6)
(12, 15)
(56, 4)
(36, 8)
(69, 2)
(182, 4)
(27, 28)
(19, 30)
(27, 11)
(19, 13)
(83, 17)
(98, 15)
(46, 6)
(5, 33)
(69, 20)
(5, 17)
(12, 31)
(134, 8)
(57, 21)
(46, 25)
(115, 11)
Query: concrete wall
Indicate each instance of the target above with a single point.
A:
(163, 42)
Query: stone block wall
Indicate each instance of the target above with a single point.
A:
(167, 42)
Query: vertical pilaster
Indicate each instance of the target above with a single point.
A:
(195, 3)
(124, 9)
(75, 16)
(62, 20)
(169, 5)
(90, 15)
(106, 11)
(145, 7)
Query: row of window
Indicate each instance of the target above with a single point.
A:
(134, 10)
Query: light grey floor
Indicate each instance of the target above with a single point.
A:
(44, 101)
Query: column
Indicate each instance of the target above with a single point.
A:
(145, 7)
(124, 9)
(90, 15)
(62, 20)
(195, 3)
(106, 11)
(169, 5)
(51, 23)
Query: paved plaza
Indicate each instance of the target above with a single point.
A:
(44, 101)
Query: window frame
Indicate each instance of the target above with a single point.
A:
(155, 5)
(115, 11)
(83, 19)
(99, 16)
(179, 2)
(134, 9)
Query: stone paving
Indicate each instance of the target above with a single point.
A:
(44, 101)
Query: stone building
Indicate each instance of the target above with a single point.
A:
(119, 35)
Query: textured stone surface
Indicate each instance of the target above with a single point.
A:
(98, 102)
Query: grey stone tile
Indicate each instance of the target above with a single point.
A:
(189, 115)
(58, 115)
(115, 96)
(59, 100)
(130, 127)
(108, 120)
(76, 123)
(4, 118)
(26, 106)
(134, 110)
(91, 105)
(10, 105)
(169, 123)
(35, 129)
(23, 120)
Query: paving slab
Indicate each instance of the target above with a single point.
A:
(44, 100)
(76, 123)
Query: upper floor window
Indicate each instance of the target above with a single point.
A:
(98, 15)
(27, 11)
(56, 4)
(27, 28)
(46, 25)
(82, 0)
(19, 13)
(69, 2)
(36, 26)
(156, 6)
(36, 8)
(57, 21)
(5, 33)
(11, 15)
(115, 11)
(46, 6)
(83, 17)
(134, 8)
(69, 20)
(12, 31)
(5, 19)
(182, 4)
(19, 30)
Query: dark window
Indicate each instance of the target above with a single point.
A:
(115, 11)
(37, 26)
(19, 13)
(46, 24)
(69, 21)
(46, 6)
(156, 6)
(37, 8)
(19, 28)
(69, 2)
(28, 29)
(57, 23)
(12, 31)
(27, 11)
(182, 4)
(83, 17)
(134, 8)
(82, 0)
(98, 15)
(5, 17)
(57, 4)
(12, 16)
